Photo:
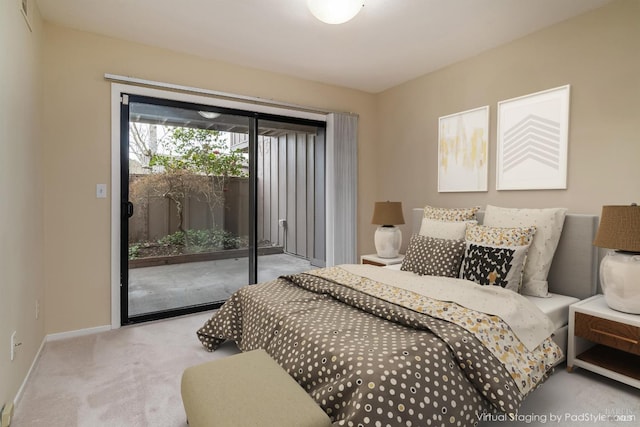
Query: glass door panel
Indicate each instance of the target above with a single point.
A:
(188, 243)
(290, 181)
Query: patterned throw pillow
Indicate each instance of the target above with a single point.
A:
(427, 256)
(549, 223)
(500, 236)
(451, 214)
(496, 255)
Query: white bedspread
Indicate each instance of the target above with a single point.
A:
(526, 320)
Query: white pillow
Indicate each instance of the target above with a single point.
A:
(448, 230)
(548, 223)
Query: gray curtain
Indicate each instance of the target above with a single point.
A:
(342, 188)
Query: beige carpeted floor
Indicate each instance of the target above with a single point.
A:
(130, 377)
(122, 378)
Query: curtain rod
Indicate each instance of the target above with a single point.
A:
(216, 94)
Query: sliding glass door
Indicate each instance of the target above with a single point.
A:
(212, 200)
(290, 198)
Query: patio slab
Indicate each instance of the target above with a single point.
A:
(165, 287)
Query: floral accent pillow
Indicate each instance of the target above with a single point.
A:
(451, 214)
(495, 256)
(500, 236)
(427, 256)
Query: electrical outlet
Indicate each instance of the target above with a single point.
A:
(7, 414)
(13, 347)
(14, 344)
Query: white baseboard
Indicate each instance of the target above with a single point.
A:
(26, 378)
(55, 337)
(77, 333)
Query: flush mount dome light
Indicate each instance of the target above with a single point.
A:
(209, 114)
(335, 11)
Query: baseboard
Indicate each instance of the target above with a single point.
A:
(55, 337)
(77, 333)
(26, 378)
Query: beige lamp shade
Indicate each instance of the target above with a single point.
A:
(387, 213)
(619, 228)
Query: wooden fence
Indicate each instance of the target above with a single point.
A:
(286, 201)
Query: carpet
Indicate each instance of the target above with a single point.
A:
(130, 377)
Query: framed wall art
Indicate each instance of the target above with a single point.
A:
(463, 151)
(532, 141)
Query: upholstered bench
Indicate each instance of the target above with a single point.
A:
(248, 389)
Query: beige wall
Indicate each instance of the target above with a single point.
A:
(598, 54)
(77, 122)
(21, 225)
(67, 108)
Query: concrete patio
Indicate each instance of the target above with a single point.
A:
(165, 287)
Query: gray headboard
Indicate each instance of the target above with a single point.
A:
(574, 270)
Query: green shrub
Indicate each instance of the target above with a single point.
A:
(202, 240)
(175, 239)
(190, 241)
(198, 240)
(134, 251)
(223, 239)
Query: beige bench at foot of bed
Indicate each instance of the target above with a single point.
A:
(248, 389)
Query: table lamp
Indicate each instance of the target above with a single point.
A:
(388, 237)
(619, 230)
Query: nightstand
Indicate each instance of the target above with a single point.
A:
(374, 259)
(604, 341)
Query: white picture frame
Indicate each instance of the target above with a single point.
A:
(532, 141)
(463, 151)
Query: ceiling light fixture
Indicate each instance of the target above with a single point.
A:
(335, 11)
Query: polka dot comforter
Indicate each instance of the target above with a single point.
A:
(370, 362)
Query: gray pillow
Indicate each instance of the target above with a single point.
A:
(433, 257)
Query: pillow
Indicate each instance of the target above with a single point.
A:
(548, 223)
(500, 236)
(433, 257)
(450, 230)
(450, 214)
(495, 255)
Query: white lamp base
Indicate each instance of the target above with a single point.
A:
(388, 240)
(620, 281)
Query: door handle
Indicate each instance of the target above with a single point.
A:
(127, 210)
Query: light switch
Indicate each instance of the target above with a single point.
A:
(101, 191)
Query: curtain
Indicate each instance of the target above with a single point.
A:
(342, 188)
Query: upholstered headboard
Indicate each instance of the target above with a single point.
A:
(574, 270)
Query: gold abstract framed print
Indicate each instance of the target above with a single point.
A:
(463, 151)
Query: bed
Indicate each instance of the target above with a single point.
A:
(574, 271)
(375, 346)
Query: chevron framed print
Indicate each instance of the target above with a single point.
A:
(533, 137)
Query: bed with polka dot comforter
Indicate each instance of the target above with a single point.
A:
(371, 360)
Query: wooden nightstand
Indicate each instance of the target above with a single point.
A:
(374, 259)
(604, 341)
